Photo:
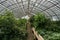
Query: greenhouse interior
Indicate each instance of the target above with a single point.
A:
(29, 19)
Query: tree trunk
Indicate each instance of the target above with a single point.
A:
(29, 31)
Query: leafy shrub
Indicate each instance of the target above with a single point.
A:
(50, 30)
(10, 28)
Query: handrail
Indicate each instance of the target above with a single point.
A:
(39, 37)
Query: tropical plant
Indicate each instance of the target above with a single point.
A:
(10, 28)
(45, 27)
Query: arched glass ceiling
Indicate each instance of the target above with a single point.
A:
(51, 8)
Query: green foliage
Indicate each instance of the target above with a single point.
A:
(39, 21)
(10, 28)
(50, 30)
(13, 29)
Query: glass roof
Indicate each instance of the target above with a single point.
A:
(51, 8)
